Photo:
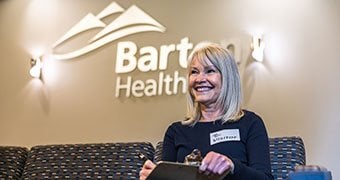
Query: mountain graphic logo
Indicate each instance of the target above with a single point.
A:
(130, 21)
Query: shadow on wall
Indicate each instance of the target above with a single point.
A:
(250, 71)
(36, 89)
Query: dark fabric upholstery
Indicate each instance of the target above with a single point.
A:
(158, 151)
(87, 161)
(12, 161)
(285, 154)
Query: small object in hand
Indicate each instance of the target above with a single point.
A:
(142, 157)
(194, 158)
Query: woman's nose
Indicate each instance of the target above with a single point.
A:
(201, 77)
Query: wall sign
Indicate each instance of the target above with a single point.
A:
(129, 57)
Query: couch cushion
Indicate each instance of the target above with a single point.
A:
(12, 161)
(285, 154)
(158, 151)
(87, 161)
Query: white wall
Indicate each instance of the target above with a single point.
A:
(295, 90)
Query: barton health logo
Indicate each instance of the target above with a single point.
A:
(129, 56)
(130, 21)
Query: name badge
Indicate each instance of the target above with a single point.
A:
(224, 136)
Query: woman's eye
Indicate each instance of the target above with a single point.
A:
(193, 72)
(211, 71)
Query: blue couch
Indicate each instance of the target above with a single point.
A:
(116, 160)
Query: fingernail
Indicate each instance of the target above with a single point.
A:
(202, 167)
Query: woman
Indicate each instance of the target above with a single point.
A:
(230, 139)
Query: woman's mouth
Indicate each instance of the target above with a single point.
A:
(203, 88)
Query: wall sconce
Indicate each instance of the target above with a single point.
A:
(36, 66)
(258, 48)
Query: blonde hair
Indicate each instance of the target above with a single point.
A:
(230, 98)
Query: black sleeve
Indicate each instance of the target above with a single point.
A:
(258, 167)
(169, 150)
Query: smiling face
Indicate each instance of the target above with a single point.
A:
(204, 82)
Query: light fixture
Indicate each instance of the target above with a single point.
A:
(258, 48)
(36, 66)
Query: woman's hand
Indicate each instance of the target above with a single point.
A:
(146, 169)
(215, 163)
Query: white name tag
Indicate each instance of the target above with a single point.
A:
(224, 135)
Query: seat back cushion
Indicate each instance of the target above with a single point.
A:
(12, 161)
(87, 161)
(285, 154)
(158, 151)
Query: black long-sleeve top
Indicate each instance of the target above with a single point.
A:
(245, 142)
